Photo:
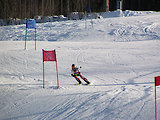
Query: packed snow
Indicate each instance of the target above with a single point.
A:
(119, 55)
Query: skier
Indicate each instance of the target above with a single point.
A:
(77, 73)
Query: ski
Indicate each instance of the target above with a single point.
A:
(83, 84)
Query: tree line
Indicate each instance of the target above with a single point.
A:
(29, 8)
(141, 5)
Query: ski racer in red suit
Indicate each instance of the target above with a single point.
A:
(77, 73)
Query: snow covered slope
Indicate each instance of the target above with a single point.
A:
(119, 56)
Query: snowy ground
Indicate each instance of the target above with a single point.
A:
(118, 55)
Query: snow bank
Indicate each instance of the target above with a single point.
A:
(39, 19)
(135, 28)
(127, 13)
(75, 16)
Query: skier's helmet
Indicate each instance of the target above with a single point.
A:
(73, 65)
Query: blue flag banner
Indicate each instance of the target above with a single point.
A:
(87, 9)
(30, 24)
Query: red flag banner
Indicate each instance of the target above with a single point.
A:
(157, 81)
(49, 55)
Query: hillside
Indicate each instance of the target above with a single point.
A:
(118, 55)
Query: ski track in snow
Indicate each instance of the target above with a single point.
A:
(119, 56)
